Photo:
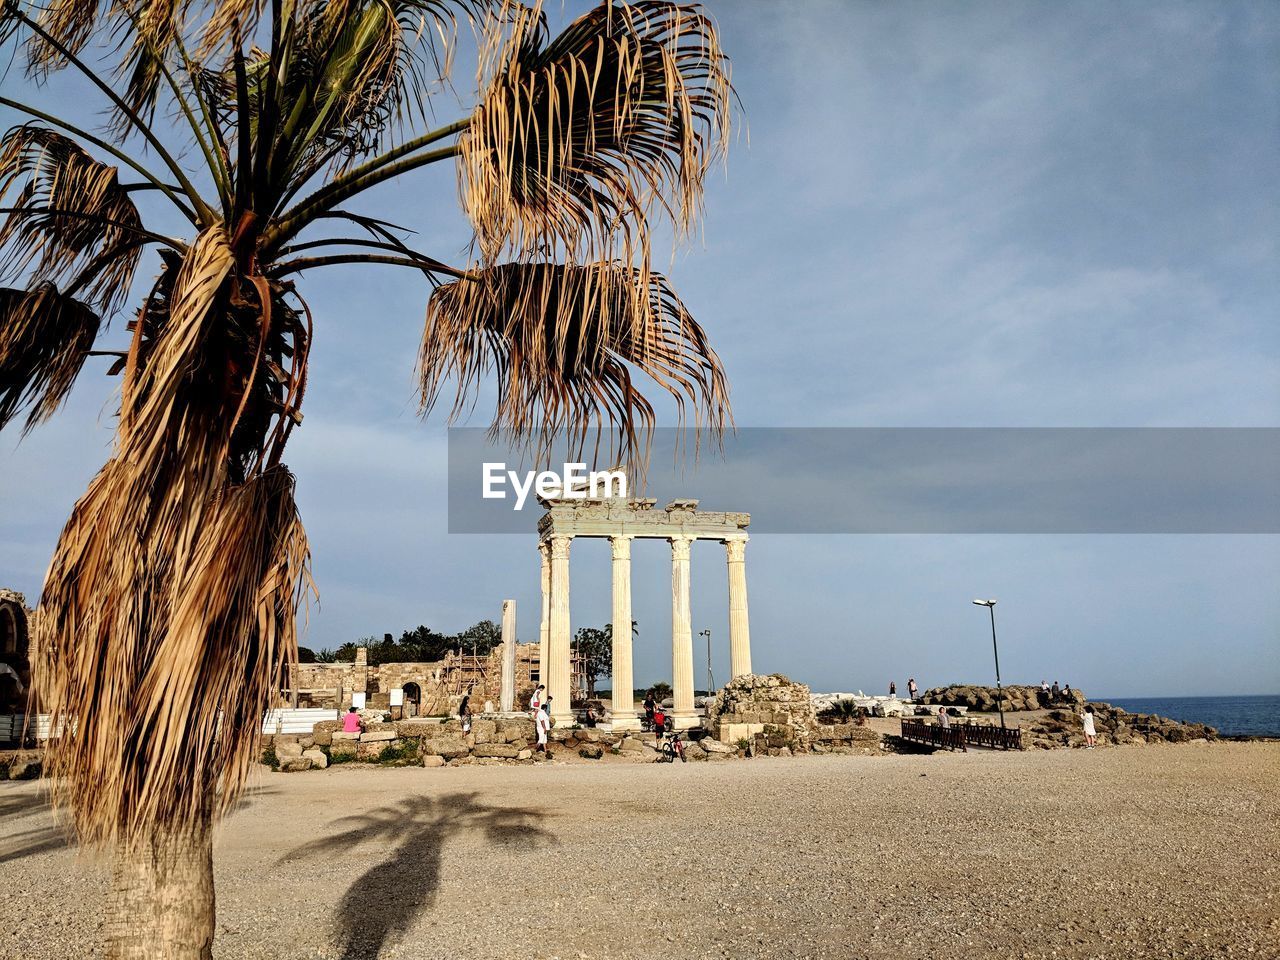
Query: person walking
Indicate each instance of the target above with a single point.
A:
(535, 702)
(543, 724)
(464, 712)
(912, 689)
(1056, 693)
(1090, 733)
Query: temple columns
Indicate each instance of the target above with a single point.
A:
(739, 625)
(682, 711)
(624, 702)
(558, 634)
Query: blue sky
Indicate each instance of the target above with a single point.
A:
(985, 214)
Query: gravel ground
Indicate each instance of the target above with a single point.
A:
(1162, 851)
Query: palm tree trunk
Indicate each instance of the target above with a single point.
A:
(161, 901)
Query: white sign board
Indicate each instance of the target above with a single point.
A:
(357, 700)
(397, 696)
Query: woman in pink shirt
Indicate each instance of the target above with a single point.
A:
(351, 722)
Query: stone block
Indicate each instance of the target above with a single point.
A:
(447, 747)
(341, 735)
(485, 731)
(295, 765)
(631, 745)
(591, 751)
(372, 750)
(287, 750)
(377, 736)
(711, 745)
(433, 761)
(500, 750)
(323, 738)
(342, 748)
(509, 731)
(318, 760)
(418, 727)
(26, 768)
(524, 755)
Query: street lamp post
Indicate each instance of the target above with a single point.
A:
(711, 680)
(991, 605)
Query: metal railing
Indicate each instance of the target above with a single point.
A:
(961, 736)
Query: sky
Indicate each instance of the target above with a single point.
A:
(962, 215)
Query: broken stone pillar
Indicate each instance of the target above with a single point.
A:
(557, 667)
(508, 698)
(544, 630)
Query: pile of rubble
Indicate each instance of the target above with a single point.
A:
(772, 707)
(1065, 728)
(986, 699)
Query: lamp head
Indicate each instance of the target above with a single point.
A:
(985, 603)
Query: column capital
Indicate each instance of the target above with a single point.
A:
(736, 549)
(544, 548)
(560, 547)
(621, 544)
(680, 547)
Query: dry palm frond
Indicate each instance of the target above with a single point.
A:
(70, 23)
(575, 141)
(69, 215)
(44, 339)
(561, 341)
(148, 34)
(171, 601)
(168, 614)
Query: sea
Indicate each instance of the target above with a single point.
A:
(1232, 716)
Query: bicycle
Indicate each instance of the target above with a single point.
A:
(670, 749)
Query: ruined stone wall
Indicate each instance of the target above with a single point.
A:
(772, 705)
(442, 684)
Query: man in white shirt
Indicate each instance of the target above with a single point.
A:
(543, 724)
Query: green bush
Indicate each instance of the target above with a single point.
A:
(842, 711)
(399, 752)
(269, 756)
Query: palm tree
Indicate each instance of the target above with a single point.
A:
(169, 609)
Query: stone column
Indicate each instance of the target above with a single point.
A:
(544, 630)
(682, 712)
(624, 701)
(508, 698)
(739, 626)
(558, 634)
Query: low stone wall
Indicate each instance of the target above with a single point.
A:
(437, 743)
(985, 699)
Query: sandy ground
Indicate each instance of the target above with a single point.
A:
(1161, 851)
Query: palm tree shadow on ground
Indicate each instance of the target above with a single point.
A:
(384, 901)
